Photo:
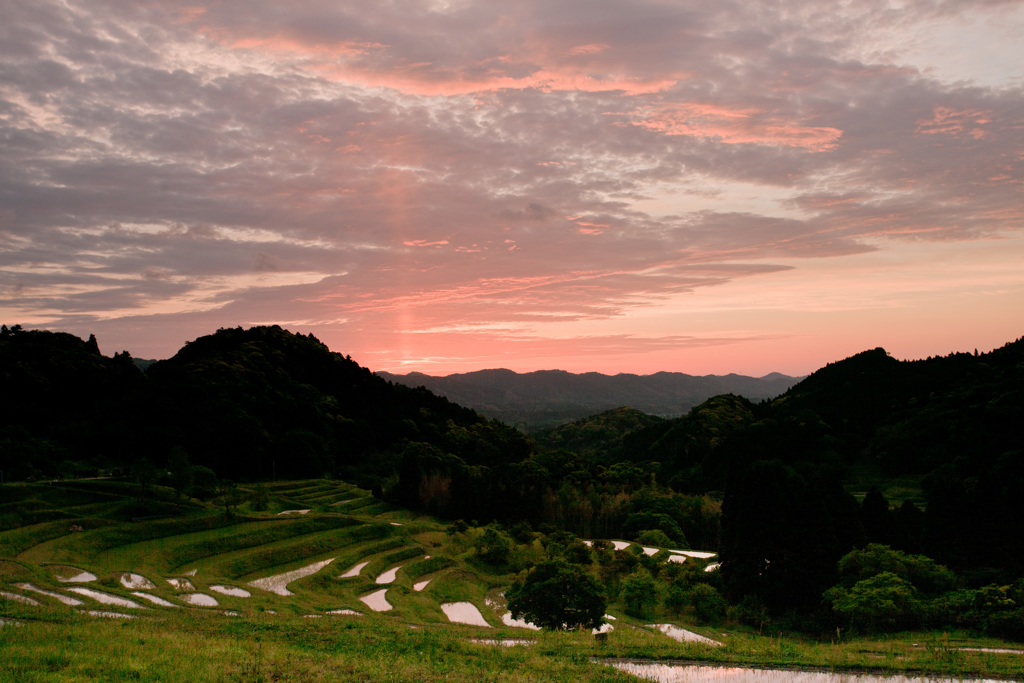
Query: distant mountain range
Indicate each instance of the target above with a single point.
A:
(550, 397)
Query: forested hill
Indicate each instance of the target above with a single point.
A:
(550, 397)
(950, 423)
(870, 412)
(248, 404)
(943, 436)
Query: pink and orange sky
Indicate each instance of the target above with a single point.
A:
(450, 185)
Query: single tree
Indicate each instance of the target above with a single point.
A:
(181, 471)
(557, 595)
(204, 483)
(230, 496)
(260, 498)
(144, 472)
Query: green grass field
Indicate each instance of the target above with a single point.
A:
(270, 637)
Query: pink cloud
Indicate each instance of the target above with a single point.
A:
(590, 49)
(589, 228)
(231, 163)
(420, 79)
(948, 121)
(536, 63)
(734, 125)
(425, 243)
(190, 14)
(285, 45)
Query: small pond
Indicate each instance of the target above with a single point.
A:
(668, 672)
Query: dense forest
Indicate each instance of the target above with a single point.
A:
(872, 478)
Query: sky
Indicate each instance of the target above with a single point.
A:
(450, 185)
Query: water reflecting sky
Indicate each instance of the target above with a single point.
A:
(689, 673)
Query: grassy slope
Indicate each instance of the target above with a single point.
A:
(414, 641)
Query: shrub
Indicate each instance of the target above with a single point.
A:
(260, 499)
(654, 537)
(752, 611)
(676, 599)
(639, 591)
(494, 546)
(708, 605)
(883, 602)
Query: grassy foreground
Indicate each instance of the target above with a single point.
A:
(95, 526)
(201, 646)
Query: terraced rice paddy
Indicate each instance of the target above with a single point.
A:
(287, 559)
(322, 547)
(341, 563)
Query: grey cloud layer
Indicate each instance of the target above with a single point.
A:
(481, 164)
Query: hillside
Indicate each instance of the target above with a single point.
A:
(922, 456)
(300, 580)
(249, 404)
(318, 581)
(550, 397)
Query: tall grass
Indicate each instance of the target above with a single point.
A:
(268, 648)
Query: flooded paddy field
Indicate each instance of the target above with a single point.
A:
(682, 672)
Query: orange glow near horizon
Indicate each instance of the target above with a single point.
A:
(445, 187)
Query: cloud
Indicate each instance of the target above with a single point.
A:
(402, 165)
(733, 126)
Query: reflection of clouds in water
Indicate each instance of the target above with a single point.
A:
(56, 596)
(464, 613)
(377, 601)
(199, 600)
(508, 620)
(106, 598)
(279, 583)
(136, 582)
(74, 575)
(153, 599)
(682, 635)
(389, 576)
(23, 599)
(700, 554)
(354, 571)
(681, 673)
